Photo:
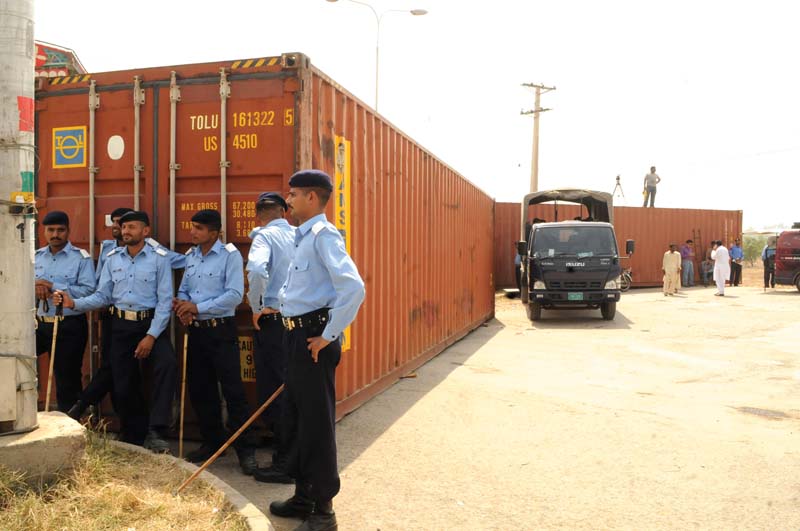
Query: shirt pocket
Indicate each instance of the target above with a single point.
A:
(118, 275)
(145, 274)
(300, 266)
(39, 271)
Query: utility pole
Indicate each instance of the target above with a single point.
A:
(18, 386)
(537, 109)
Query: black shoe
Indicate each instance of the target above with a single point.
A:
(76, 411)
(321, 519)
(298, 506)
(247, 460)
(156, 443)
(273, 474)
(201, 454)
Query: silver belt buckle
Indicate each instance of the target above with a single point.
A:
(130, 315)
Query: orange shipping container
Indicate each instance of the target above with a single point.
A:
(653, 229)
(173, 140)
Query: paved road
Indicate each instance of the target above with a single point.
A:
(682, 413)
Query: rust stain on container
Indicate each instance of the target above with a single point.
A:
(653, 229)
(418, 231)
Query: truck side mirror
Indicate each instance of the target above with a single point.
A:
(522, 248)
(630, 246)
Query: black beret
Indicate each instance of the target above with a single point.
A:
(56, 217)
(135, 215)
(119, 212)
(273, 197)
(211, 218)
(311, 179)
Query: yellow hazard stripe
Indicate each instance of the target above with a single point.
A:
(255, 63)
(82, 78)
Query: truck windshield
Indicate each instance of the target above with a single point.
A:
(573, 241)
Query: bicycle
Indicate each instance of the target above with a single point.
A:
(626, 279)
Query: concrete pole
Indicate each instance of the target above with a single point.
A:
(17, 343)
(535, 155)
(537, 110)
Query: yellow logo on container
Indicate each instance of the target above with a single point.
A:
(341, 207)
(69, 147)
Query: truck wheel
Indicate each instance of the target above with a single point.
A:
(534, 310)
(608, 310)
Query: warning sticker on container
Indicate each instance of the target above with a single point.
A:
(247, 361)
(69, 147)
(342, 206)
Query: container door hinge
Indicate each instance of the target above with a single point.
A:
(224, 164)
(174, 89)
(175, 166)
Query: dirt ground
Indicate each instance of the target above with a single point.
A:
(682, 413)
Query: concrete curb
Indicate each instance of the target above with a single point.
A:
(256, 520)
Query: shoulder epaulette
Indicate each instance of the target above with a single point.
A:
(189, 251)
(41, 249)
(85, 253)
(152, 243)
(230, 247)
(162, 252)
(112, 251)
(318, 226)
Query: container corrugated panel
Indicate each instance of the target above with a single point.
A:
(416, 229)
(506, 234)
(653, 229)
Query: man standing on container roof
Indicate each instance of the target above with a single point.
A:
(267, 269)
(102, 381)
(319, 300)
(211, 289)
(60, 266)
(651, 181)
(136, 282)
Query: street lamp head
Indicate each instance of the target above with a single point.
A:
(415, 12)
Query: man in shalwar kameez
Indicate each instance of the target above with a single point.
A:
(671, 266)
(722, 266)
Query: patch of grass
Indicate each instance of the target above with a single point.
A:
(114, 489)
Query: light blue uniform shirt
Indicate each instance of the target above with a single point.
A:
(140, 283)
(214, 282)
(322, 275)
(70, 269)
(106, 246)
(177, 260)
(736, 253)
(268, 263)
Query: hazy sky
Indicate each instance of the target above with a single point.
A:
(707, 91)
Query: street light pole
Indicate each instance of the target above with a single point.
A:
(378, 20)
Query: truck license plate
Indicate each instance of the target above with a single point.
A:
(574, 296)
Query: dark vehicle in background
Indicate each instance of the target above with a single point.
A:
(787, 258)
(570, 264)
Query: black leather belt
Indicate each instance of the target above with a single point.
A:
(211, 323)
(307, 320)
(131, 315)
(271, 316)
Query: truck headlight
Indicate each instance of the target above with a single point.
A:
(613, 283)
(538, 284)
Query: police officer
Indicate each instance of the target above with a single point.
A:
(61, 266)
(319, 300)
(267, 267)
(211, 289)
(136, 282)
(102, 381)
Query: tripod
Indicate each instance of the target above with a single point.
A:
(618, 186)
